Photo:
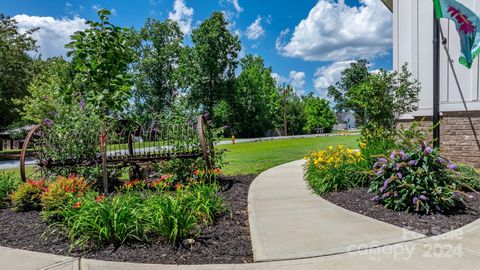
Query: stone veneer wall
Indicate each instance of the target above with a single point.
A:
(457, 140)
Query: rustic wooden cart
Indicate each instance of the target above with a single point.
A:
(126, 146)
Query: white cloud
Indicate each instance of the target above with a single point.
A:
(329, 75)
(298, 80)
(52, 34)
(335, 33)
(182, 15)
(278, 41)
(255, 30)
(237, 6)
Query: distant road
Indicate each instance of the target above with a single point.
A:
(11, 164)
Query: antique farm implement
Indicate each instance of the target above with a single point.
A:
(124, 145)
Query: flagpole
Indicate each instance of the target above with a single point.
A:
(436, 81)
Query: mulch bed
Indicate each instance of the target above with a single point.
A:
(359, 200)
(227, 241)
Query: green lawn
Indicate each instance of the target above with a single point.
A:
(256, 157)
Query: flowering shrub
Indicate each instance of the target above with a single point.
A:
(27, 196)
(417, 179)
(335, 169)
(57, 193)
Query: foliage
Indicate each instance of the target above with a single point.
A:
(160, 55)
(214, 60)
(8, 184)
(375, 141)
(254, 101)
(334, 169)
(417, 179)
(381, 97)
(470, 176)
(318, 114)
(101, 56)
(44, 92)
(27, 196)
(16, 67)
(295, 111)
(351, 76)
(95, 220)
(58, 193)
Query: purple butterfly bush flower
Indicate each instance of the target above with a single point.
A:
(382, 160)
(400, 175)
(423, 197)
(440, 160)
(379, 172)
(412, 162)
(452, 166)
(47, 122)
(403, 155)
(386, 195)
(376, 198)
(384, 166)
(393, 155)
(82, 104)
(427, 150)
(385, 185)
(415, 200)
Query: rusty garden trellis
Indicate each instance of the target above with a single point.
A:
(126, 145)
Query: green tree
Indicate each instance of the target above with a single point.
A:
(214, 58)
(351, 76)
(255, 101)
(386, 96)
(44, 92)
(160, 55)
(16, 68)
(295, 114)
(318, 114)
(101, 56)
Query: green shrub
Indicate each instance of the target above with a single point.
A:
(335, 169)
(417, 179)
(205, 201)
(469, 175)
(8, 184)
(27, 196)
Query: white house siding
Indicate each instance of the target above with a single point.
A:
(413, 35)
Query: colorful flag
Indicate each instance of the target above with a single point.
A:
(468, 27)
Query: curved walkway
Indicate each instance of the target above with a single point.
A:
(294, 229)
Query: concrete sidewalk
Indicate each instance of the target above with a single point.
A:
(288, 222)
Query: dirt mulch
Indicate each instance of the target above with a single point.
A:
(227, 241)
(359, 200)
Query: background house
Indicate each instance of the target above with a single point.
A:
(412, 43)
(345, 120)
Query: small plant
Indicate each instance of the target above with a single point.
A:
(57, 192)
(417, 179)
(335, 169)
(204, 200)
(96, 220)
(8, 184)
(27, 196)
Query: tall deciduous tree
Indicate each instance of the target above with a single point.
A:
(16, 68)
(215, 53)
(255, 102)
(44, 92)
(101, 56)
(351, 76)
(318, 114)
(160, 56)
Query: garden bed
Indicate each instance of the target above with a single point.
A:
(360, 201)
(227, 241)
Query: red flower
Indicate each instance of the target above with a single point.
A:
(100, 198)
(77, 205)
(165, 177)
(197, 172)
(217, 171)
(178, 186)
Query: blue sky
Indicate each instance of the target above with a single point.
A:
(307, 43)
